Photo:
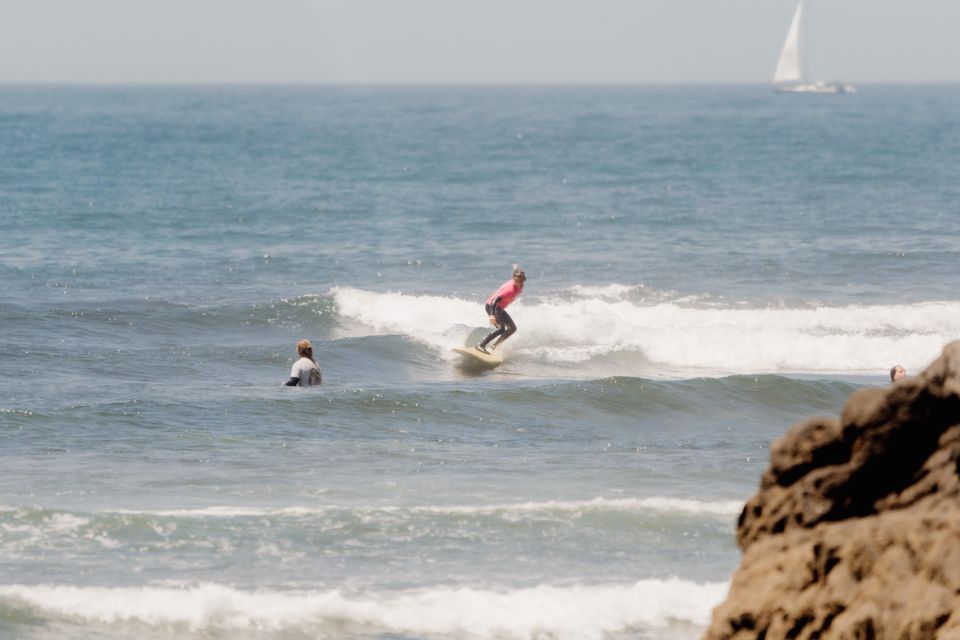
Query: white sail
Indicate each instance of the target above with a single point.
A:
(790, 66)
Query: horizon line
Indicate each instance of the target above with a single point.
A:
(438, 84)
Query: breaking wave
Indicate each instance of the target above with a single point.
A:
(591, 323)
(584, 612)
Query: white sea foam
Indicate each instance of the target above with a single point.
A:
(21, 412)
(22, 533)
(722, 339)
(584, 612)
(65, 522)
(224, 512)
(655, 504)
(610, 291)
(435, 320)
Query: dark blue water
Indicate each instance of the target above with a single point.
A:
(706, 267)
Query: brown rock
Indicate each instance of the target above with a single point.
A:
(855, 531)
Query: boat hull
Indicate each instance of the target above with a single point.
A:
(815, 87)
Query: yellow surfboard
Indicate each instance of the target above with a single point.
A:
(474, 356)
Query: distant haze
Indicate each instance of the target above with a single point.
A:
(455, 41)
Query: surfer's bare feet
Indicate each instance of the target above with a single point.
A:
(481, 348)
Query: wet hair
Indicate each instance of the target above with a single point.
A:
(305, 349)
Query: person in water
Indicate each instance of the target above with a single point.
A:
(496, 310)
(305, 372)
(897, 373)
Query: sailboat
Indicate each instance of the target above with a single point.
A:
(789, 76)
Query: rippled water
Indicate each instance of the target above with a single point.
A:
(707, 266)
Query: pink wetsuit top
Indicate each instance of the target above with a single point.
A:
(507, 293)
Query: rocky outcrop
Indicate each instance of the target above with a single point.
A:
(855, 531)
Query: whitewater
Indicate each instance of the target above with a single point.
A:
(688, 336)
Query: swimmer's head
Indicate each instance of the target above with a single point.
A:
(305, 349)
(897, 373)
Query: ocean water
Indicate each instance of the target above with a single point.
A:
(707, 266)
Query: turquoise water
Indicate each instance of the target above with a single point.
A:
(707, 266)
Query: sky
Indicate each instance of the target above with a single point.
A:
(475, 42)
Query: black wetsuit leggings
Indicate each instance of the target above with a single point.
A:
(505, 326)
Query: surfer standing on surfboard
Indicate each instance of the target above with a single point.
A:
(496, 309)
